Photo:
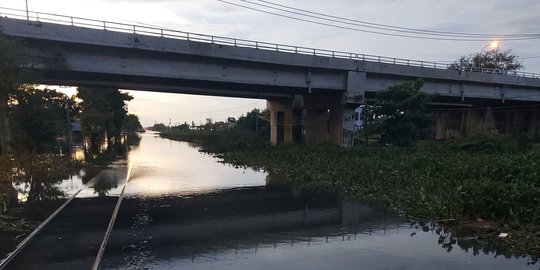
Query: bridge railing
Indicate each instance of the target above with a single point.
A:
(175, 34)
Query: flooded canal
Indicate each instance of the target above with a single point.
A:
(182, 209)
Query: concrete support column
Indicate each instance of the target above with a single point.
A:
(316, 125)
(318, 117)
(335, 126)
(285, 120)
(479, 122)
(519, 123)
(324, 118)
(441, 126)
(533, 124)
(473, 123)
(488, 123)
(508, 122)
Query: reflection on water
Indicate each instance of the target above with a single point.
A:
(184, 210)
(62, 187)
(164, 167)
(49, 178)
(277, 228)
(73, 237)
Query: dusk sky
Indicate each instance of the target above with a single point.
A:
(496, 17)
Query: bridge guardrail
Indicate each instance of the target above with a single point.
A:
(176, 34)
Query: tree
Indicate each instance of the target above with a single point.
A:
(37, 118)
(11, 75)
(255, 121)
(398, 115)
(493, 59)
(132, 123)
(103, 111)
(159, 127)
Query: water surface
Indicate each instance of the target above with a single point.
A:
(185, 210)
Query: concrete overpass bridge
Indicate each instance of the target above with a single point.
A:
(311, 93)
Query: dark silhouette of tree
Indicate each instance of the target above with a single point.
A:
(8, 194)
(256, 121)
(132, 123)
(493, 59)
(118, 106)
(37, 118)
(159, 127)
(103, 112)
(10, 80)
(398, 116)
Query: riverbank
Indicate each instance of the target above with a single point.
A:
(482, 187)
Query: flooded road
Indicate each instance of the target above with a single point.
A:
(182, 209)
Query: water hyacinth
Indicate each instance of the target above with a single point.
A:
(422, 182)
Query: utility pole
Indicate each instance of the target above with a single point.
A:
(27, 15)
(69, 138)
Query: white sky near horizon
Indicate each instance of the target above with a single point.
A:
(216, 18)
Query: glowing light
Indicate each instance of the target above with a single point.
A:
(494, 44)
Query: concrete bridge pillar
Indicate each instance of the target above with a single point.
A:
(534, 124)
(441, 126)
(285, 120)
(318, 117)
(324, 118)
(314, 118)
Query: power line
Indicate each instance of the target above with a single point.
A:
(529, 57)
(322, 16)
(371, 31)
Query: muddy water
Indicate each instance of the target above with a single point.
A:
(184, 210)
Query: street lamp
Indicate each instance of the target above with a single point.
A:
(493, 46)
